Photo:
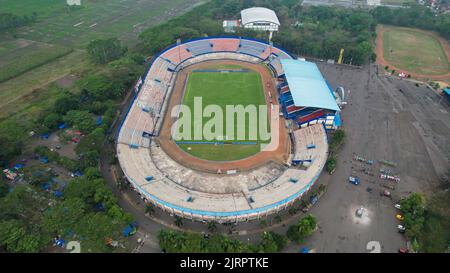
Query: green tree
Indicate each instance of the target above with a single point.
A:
(52, 121)
(178, 221)
(63, 217)
(92, 173)
(331, 163)
(9, 21)
(81, 120)
(4, 188)
(16, 238)
(149, 209)
(413, 208)
(12, 136)
(302, 229)
(337, 139)
(212, 227)
(103, 51)
(271, 242)
(91, 159)
(65, 103)
(94, 229)
(91, 142)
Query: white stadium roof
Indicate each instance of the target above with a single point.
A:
(258, 14)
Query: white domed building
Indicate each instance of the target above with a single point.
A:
(259, 18)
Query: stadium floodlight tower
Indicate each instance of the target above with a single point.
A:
(258, 18)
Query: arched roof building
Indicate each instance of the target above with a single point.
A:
(259, 18)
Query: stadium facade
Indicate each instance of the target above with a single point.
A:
(179, 190)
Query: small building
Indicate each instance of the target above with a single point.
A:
(259, 18)
(230, 26)
(73, 2)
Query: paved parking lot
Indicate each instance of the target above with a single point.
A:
(385, 118)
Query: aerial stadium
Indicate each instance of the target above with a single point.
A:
(256, 184)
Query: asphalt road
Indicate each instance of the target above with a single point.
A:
(410, 127)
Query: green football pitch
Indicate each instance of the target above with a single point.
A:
(414, 51)
(222, 89)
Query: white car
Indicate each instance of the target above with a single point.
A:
(360, 212)
(397, 206)
(401, 228)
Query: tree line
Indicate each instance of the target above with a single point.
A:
(318, 32)
(9, 21)
(31, 214)
(416, 16)
(270, 242)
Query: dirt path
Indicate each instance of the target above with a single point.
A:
(280, 155)
(382, 61)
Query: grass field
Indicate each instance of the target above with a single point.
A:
(234, 88)
(22, 59)
(414, 51)
(93, 20)
(398, 2)
(15, 93)
(435, 236)
(39, 54)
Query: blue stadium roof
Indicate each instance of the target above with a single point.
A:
(307, 85)
(447, 91)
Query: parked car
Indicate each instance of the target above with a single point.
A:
(385, 193)
(403, 250)
(397, 206)
(354, 180)
(360, 212)
(401, 228)
(399, 217)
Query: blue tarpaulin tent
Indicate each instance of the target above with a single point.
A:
(61, 183)
(99, 206)
(304, 250)
(129, 230)
(60, 242)
(45, 136)
(44, 160)
(99, 120)
(149, 178)
(18, 166)
(57, 194)
(62, 126)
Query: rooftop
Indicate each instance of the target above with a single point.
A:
(307, 85)
(446, 91)
(258, 14)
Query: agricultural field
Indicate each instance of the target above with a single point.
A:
(398, 2)
(415, 51)
(27, 55)
(219, 88)
(93, 20)
(34, 56)
(17, 94)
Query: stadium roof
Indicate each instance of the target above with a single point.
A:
(447, 91)
(258, 14)
(307, 85)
